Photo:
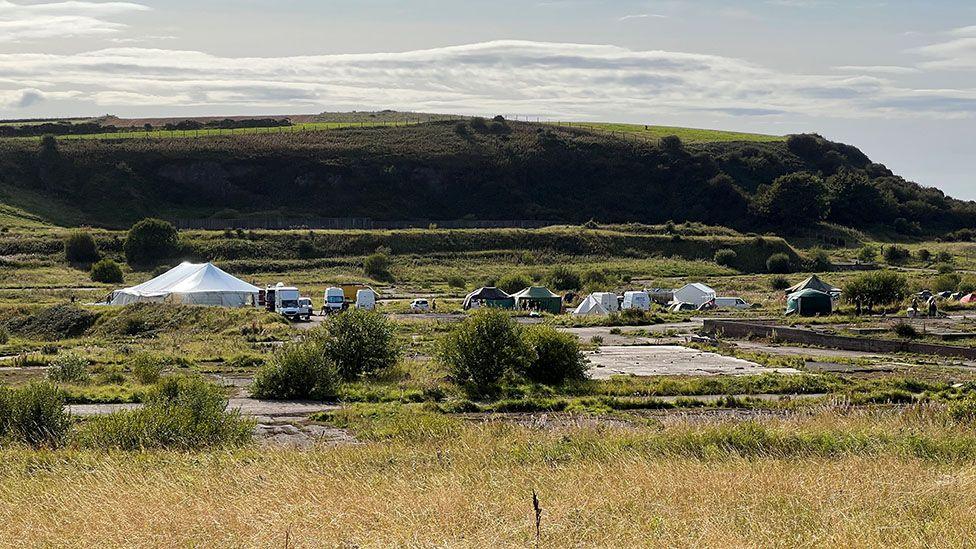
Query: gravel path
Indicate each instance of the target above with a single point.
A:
(669, 360)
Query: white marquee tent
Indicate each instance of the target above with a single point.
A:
(191, 284)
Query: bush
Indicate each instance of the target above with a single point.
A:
(879, 288)
(377, 266)
(360, 343)
(79, 247)
(943, 257)
(69, 368)
(512, 283)
(779, 283)
(150, 242)
(106, 271)
(820, 261)
(946, 282)
(726, 257)
(456, 281)
(4, 335)
(867, 254)
(945, 268)
(147, 367)
(967, 284)
(557, 356)
(594, 279)
(58, 322)
(484, 350)
(182, 413)
(34, 414)
(906, 330)
(779, 263)
(923, 255)
(563, 278)
(896, 254)
(297, 371)
(671, 143)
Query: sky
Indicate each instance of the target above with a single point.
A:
(895, 78)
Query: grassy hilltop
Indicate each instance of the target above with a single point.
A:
(454, 169)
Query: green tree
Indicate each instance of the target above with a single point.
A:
(484, 350)
(150, 242)
(377, 266)
(106, 271)
(794, 199)
(557, 356)
(360, 343)
(79, 247)
(563, 278)
(726, 257)
(849, 191)
(779, 264)
(512, 283)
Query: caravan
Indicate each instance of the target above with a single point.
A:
(640, 301)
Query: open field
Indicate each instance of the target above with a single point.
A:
(824, 481)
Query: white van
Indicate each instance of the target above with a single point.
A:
(366, 299)
(731, 303)
(636, 300)
(335, 301)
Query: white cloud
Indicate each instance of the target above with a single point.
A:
(642, 16)
(956, 53)
(557, 80)
(20, 22)
(878, 69)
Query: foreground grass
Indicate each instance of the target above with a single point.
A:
(448, 483)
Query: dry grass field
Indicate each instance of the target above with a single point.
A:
(448, 483)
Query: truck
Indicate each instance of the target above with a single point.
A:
(334, 301)
(286, 301)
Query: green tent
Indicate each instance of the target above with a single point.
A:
(540, 299)
(809, 303)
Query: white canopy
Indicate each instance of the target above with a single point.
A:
(590, 306)
(192, 284)
(608, 300)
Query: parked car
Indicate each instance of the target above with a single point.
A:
(306, 306)
(731, 303)
(420, 306)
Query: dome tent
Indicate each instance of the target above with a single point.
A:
(488, 297)
(811, 283)
(190, 284)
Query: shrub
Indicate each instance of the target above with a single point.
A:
(297, 371)
(69, 368)
(945, 268)
(483, 350)
(557, 356)
(150, 242)
(967, 284)
(147, 367)
(879, 288)
(183, 413)
(377, 266)
(943, 257)
(896, 254)
(512, 283)
(779, 263)
(671, 143)
(779, 283)
(4, 335)
(456, 281)
(904, 226)
(79, 247)
(106, 271)
(906, 330)
(946, 282)
(58, 322)
(359, 343)
(923, 255)
(867, 254)
(594, 279)
(820, 261)
(563, 278)
(726, 257)
(34, 414)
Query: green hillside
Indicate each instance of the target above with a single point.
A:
(688, 135)
(469, 169)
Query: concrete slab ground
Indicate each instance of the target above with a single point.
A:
(663, 360)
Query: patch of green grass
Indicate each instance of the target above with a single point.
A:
(688, 135)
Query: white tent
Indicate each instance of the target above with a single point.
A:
(695, 293)
(192, 284)
(590, 306)
(608, 300)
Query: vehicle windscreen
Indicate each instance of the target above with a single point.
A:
(335, 299)
(286, 303)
